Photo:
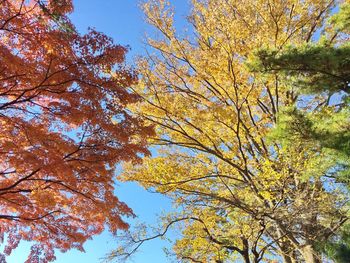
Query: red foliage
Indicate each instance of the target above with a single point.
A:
(63, 126)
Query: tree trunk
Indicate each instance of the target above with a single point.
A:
(288, 259)
(288, 255)
(246, 258)
(245, 253)
(287, 250)
(310, 256)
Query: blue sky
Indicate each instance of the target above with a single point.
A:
(123, 21)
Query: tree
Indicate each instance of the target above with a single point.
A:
(64, 127)
(319, 69)
(240, 192)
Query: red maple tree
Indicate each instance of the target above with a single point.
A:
(63, 127)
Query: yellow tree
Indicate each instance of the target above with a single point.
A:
(239, 195)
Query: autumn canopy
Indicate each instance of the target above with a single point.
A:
(63, 128)
(251, 111)
(246, 113)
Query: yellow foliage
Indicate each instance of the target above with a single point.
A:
(212, 116)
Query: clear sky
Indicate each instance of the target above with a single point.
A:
(123, 21)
